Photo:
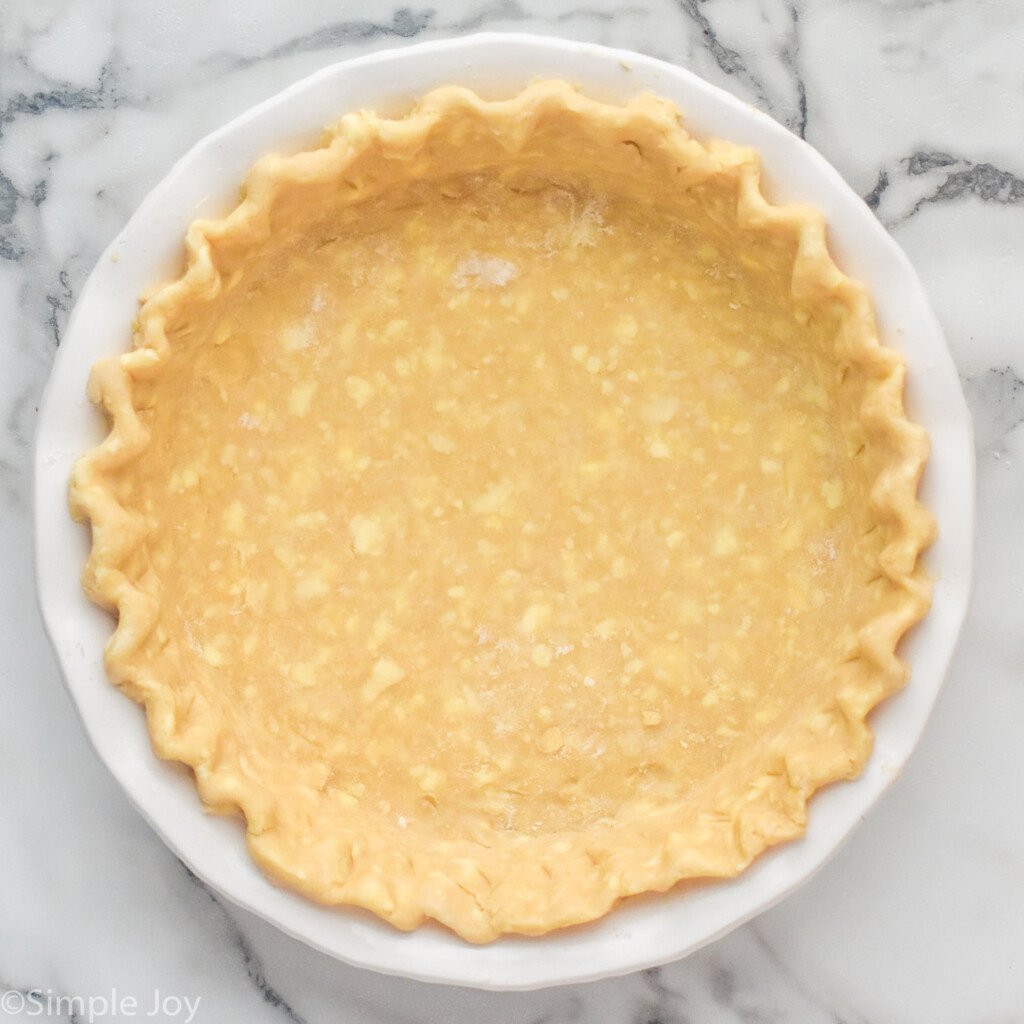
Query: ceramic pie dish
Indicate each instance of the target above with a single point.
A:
(698, 769)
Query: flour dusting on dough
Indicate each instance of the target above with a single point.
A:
(484, 272)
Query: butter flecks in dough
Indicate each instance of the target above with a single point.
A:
(507, 511)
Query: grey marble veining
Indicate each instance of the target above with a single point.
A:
(920, 105)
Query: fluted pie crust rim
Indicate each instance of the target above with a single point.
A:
(566, 879)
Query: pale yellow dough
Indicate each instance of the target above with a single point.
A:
(507, 511)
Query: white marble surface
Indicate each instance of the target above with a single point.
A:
(920, 104)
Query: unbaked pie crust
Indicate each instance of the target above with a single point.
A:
(507, 511)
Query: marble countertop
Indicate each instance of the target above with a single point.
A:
(920, 105)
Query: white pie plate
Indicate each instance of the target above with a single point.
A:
(641, 933)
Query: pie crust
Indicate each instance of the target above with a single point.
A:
(507, 511)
